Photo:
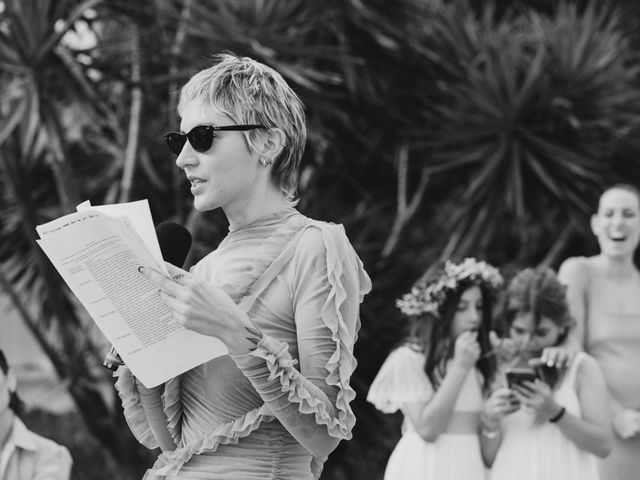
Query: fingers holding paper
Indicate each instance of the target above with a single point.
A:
(197, 304)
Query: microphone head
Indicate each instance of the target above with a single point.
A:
(175, 242)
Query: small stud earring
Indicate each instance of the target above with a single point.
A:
(266, 162)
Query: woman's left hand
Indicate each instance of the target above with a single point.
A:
(197, 304)
(537, 396)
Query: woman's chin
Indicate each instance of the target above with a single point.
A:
(202, 205)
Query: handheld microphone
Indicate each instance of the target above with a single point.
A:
(175, 243)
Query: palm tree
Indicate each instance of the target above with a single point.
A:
(434, 131)
(525, 119)
(50, 104)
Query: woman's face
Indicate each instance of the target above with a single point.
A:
(530, 339)
(225, 175)
(468, 314)
(617, 222)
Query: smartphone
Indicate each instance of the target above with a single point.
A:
(515, 376)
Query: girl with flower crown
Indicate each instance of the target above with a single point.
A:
(439, 376)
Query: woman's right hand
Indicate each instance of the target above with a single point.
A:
(626, 423)
(499, 404)
(467, 350)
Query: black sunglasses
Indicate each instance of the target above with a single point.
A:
(201, 137)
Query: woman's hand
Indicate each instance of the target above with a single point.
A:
(626, 423)
(500, 403)
(467, 350)
(537, 396)
(558, 357)
(199, 305)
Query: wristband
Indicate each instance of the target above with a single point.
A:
(558, 415)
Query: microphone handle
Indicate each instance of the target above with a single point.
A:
(112, 360)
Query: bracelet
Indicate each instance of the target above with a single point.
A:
(558, 415)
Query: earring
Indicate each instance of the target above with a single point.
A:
(266, 162)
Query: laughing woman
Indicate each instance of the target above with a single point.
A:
(282, 292)
(604, 298)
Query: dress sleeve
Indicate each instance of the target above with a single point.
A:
(311, 396)
(134, 412)
(401, 380)
(53, 462)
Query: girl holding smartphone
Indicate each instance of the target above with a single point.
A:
(560, 426)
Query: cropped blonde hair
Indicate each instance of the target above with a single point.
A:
(250, 92)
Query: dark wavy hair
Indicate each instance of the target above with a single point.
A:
(15, 403)
(432, 335)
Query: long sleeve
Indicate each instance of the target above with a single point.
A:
(311, 396)
(134, 410)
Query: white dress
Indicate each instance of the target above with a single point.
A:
(455, 455)
(534, 450)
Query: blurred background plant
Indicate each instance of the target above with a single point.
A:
(437, 129)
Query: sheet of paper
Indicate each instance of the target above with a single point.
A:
(98, 257)
(139, 215)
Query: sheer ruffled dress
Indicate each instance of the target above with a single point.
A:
(301, 283)
(455, 455)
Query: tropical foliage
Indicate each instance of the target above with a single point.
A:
(436, 129)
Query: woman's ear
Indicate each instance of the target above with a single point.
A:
(275, 141)
(12, 383)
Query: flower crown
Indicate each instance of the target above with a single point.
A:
(431, 297)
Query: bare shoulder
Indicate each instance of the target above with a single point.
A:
(574, 271)
(589, 370)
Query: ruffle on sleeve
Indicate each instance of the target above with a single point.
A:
(173, 408)
(401, 380)
(169, 464)
(280, 364)
(133, 410)
(340, 256)
(344, 331)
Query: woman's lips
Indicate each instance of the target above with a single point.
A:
(197, 185)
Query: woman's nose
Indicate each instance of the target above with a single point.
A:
(186, 157)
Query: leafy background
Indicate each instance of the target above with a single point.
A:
(437, 129)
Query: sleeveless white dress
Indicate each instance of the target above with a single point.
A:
(534, 450)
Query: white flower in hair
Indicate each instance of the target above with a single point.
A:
(431, 297)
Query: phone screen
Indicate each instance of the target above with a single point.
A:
(519, 375)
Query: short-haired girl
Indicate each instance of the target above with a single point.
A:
(560, 423)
